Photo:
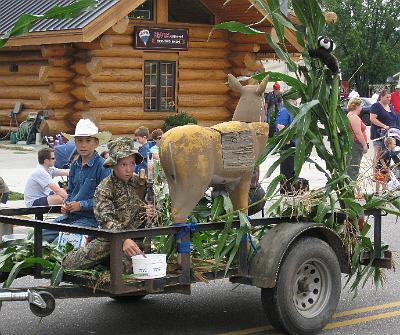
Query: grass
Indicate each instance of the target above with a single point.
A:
(15, 196)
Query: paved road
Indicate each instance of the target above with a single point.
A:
(217, 308)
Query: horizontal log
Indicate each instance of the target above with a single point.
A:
(104, 42)
(86, 93)
(60, 86)
(6, 129)
(197, 100)
(60, 114)
(55, 100)
(56, 50)
(239, 38)
(246, 60)
(51, 127)
(118, 100)
(47, 72)
(23, 68)
(76, 116)
(118, 127)
(246, 47)
(203, 64)
(121, 26)
(93, 66)
(27, 104)
(60, 61)
(21, 80)
(117, 75)
(82, 80)
(204, 53)
(202, 87)
(20, 92)
(189, 74)
(125, 113)
(21, 48)
(209, 44)
(21, 56)
(120, 62)
(239, 71)
(122, 39)
(115, 51)
(209, 113)
(21, 116)
(81, 106)
(119, 87)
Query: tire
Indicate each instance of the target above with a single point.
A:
(50, 305)
(307, 290)
(128, 299)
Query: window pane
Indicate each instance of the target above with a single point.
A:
(144, 12)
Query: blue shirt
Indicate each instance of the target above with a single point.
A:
(284, 118)
(82, 184)
(387, 118)
(143, 150)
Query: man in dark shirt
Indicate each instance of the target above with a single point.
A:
(273, 101)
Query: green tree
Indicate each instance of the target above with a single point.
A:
(367, 32)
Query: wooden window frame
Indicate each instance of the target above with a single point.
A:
(158, 85)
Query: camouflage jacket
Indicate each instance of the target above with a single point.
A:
(119, 205)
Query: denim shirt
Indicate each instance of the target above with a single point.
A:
(83, 181)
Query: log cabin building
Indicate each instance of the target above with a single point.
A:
(129, 63)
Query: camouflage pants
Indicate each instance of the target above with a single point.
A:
(95, 253)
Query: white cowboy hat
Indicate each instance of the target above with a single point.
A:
(85, 127)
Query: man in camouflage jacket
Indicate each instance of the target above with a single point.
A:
(118, 205)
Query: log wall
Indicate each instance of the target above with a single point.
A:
(103, 80)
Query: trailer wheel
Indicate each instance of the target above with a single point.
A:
(307, 290)
(127, 299)
(50, 305)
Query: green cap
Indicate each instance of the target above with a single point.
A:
(120, 148)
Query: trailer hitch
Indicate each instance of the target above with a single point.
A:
(40, 303)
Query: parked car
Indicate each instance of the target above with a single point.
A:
(366, 104)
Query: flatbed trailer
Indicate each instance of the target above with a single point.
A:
(298, 267)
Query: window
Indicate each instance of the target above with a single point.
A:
(144, 12)
(189, 11)
(159, 86)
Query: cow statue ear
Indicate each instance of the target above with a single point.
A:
(234, 84)
(262, 86)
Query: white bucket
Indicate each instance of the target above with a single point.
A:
(149, 267)
(38, 138)
(13, 237)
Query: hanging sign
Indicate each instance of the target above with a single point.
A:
(160, 38)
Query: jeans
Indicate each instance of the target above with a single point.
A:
(74, 220)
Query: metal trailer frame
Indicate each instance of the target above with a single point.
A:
(81, 287)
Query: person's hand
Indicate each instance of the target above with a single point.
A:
(386, 127)
(365, 149)
(151, 211)
(73, 206)
(130, 248)
(64, 208)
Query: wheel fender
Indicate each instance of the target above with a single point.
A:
(265, 264)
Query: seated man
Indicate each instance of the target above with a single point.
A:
(41, 190)
(85, 174)
(118, 205)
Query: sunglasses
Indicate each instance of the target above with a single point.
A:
(158, 138)
(52, 158)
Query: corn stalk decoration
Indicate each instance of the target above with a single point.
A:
(318, 118)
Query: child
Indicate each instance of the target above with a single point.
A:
(85, 174)
(155, 150)
(141, 136)
(383, 165)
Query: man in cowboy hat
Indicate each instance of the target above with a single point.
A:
(86, 173)
(118, 205)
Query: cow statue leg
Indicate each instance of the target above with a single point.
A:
(240, 194)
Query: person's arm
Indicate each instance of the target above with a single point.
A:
(356, 126)
(61, 172)
(58, 190)
(374, 120)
